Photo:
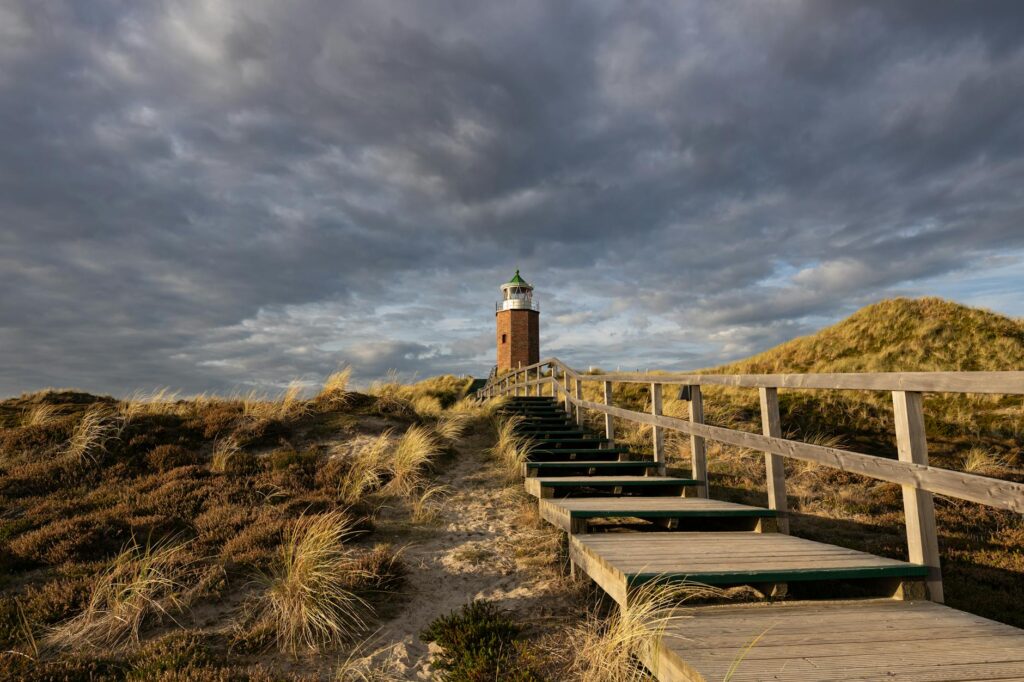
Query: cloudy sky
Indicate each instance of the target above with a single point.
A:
(212, 194)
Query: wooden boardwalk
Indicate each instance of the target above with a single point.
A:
(867, 639)
(629, 524)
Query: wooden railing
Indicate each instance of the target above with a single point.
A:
(911, 470)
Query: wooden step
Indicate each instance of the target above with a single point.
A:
(555, 443)
(567, 486)
(620, 561)
(552, 408)
(866, 639)
(544, 436)
(585, 467)
(579, 452)
(611, 455)
(574, 514)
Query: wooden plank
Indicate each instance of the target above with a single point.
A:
(571, 514)
(698, 448)
(658, 433)
(771, 426)
(729, 558)
(609, 426)
(610, 580)
(843, 640)
(981, 489)
(918, 506)
(542, 486)
(590, 506)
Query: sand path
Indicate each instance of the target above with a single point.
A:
(470, 554)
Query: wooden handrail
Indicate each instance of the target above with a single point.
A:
(1006, 383)
(971, 487)
(911, 470)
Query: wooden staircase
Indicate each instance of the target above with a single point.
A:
(665, 532)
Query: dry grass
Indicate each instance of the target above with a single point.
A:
(160, 401)
(141, 583)
(477, 409)
(391, 396)
(979, 461)
(92, 434)
(383, 664)
(606, 650)
(510, 448)
(228, 457)
(334, 392)
(308, 601)
(428, 503)
(288, 404)
(410, 457)
(40, 415)
(451, 427)
(366, 471)
(427, 406)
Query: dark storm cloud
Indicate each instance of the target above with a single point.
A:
(222, 193)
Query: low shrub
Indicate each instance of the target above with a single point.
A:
(479, 642)
(166, 457)
(287, 457)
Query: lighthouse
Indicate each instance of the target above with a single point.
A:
(518, 318)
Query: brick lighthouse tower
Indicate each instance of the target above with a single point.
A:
(518, 325)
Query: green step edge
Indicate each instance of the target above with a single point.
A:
(655, 480)
(668, 514)
(783, 576)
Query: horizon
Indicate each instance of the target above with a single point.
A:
(311, 384)
(226, 196)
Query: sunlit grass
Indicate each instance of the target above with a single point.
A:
(308, 601)
(141, 583)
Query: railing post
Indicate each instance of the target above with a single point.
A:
(537, 391)
(698, 449)
(658, 432)
(918, 505)
(771, 425)
(578, 384)
(609, 425)
(565, 390)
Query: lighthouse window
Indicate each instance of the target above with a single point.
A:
(503, 338)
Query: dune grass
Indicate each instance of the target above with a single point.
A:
(428, 503)
(607, 649)
(307, 600)
(141, 583)
(93, 433)
(451, 427)
(226, 454)
(40, 415)
(510, 448)
(366, 471)
(411, 455)
(334, 393)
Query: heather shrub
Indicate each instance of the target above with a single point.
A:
(166, 457)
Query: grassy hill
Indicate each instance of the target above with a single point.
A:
(899, 335)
